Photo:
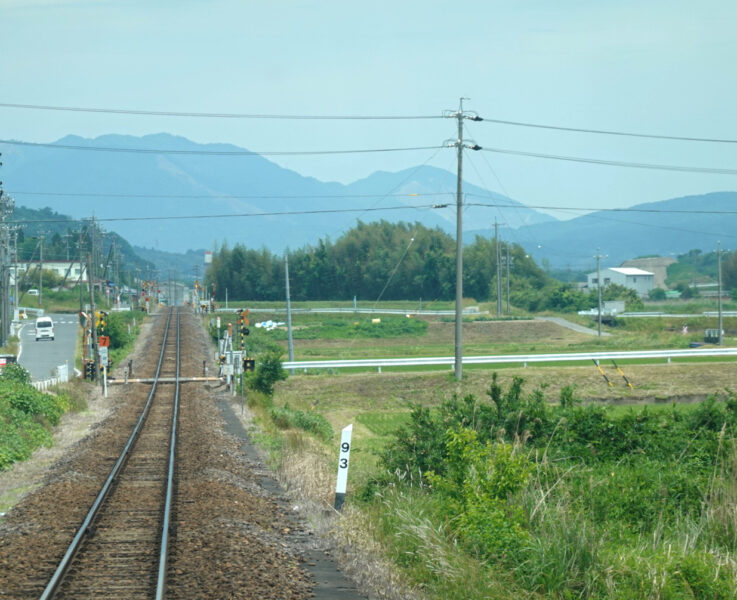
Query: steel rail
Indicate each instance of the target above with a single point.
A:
(53, 586)
(164, 548)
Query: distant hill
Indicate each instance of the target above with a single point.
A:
(666, 228)
(187, 266)
(61, 240)
(159, 189)
(163, 187)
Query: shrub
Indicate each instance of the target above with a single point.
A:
(268, 372)
(31, 402)
(418, 446)
(478, 481)
(117, 329)
(14, 372)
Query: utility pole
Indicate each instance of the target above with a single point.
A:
(40, 269)
(82, 268)
(290, 341)
(598, 286)
(15, 268)
(719, 291)
(507, 261)
(498, 261)
(93, 315)
(458, 143)
(6, 210)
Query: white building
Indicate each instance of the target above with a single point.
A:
(630, 277)
(74, 271)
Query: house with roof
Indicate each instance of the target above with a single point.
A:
(630, 277)
(657, 265)
(73, 272)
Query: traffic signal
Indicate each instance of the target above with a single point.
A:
(242, 325)
(101, 322)
(89, 370)
(249, 364)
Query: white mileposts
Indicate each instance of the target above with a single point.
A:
(345, 451)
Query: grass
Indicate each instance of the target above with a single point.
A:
(595, 530)
(352, 336)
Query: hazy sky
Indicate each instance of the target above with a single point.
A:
(654, 66)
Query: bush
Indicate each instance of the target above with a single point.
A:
(14, 372)
(634, 504)
(268, 372)
(25, 416)
(28, 400)
(476, 487)
(117, 329)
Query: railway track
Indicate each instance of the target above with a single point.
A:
(233, 534)
(121, 548)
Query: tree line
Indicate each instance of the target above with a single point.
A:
(393, 261)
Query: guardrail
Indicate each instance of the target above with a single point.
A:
(62, 376)
(370, 311)
(509, 358)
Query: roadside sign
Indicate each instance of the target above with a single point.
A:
(103, 355)
(343, 457)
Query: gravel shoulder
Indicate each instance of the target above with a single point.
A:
(237, 534)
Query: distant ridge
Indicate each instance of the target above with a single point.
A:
(225, 185)
(301, 210)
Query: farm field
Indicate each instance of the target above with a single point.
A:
(567, 486)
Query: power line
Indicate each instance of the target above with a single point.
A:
(252, 154)
(207, 115)
(348, 196)
(218, 115)
(244, 153)
(225, 196)
(612, 132)
(588, 209)
(615, 163)
(232, 215)
(600, 217)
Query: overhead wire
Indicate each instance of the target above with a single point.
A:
(254, 154)
(631, 209)
(227, 216)
(219, 196)
(614, 163)
(393, 189)
(217, 115)
(595, 215)
(679, 138)
(244, 153)
(551, 207)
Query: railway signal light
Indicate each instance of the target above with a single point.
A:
(101, 322)
(89, 370)
(249, 364)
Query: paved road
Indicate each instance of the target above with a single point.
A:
(39, 358)
(573, 326)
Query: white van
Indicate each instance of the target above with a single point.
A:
(44, 328)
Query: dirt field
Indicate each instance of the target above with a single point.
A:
(678, 382)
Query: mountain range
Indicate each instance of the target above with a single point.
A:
(177, 201)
